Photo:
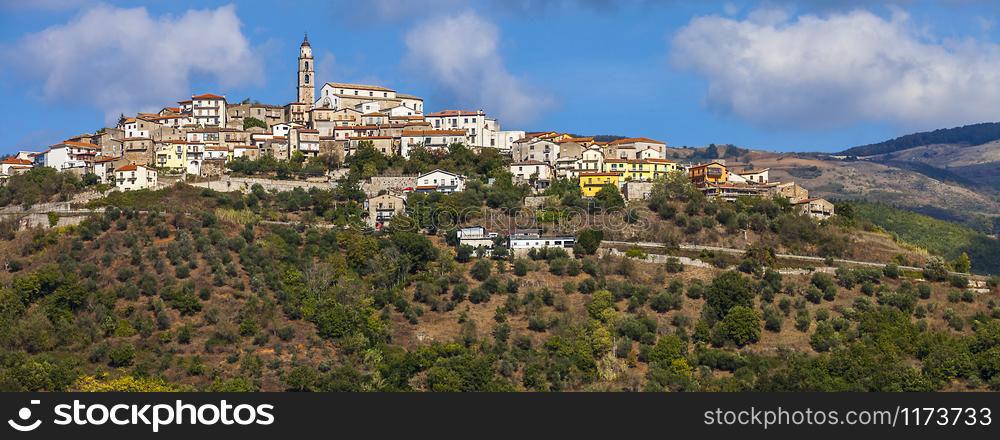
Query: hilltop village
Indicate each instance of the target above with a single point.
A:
(200, 139)
(354, 240)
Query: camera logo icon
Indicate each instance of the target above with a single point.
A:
(25, 415)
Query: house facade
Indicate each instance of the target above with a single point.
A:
(440, 181)
(134, 177)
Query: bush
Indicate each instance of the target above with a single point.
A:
(958, 281)
(891, 271)
(666, 301)
(673, 265)
(122, 356)
(481, 270)
(728, 290)
(935, 270)
(924, 290)
(741, 326)
(521, 267)
(588, 241)
(286, 333)
(479, 295)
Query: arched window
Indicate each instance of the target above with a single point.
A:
(307, 78)
(307, 65)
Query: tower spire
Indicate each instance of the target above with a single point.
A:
(305, 40)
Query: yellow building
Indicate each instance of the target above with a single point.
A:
(171, 155)
(640, 170)
(591, 183)
(709, 173)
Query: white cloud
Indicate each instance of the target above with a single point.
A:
(460, 55)
(124, 60)
(824, 71)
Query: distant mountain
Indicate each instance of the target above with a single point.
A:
(975, 134)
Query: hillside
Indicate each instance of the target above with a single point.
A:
(937, 236)
(877, 182)
(969, 135)
(194, 289)
(975, 166)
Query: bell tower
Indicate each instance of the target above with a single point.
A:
(307, 79)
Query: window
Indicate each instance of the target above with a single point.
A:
(307, 65)
(307, 78)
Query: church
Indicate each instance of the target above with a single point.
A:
(366, 99)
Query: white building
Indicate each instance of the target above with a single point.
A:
(430, 139)
(440, 181)
(68, 156)
(134, 177)
(13, 165)
(207, 110)
(540, 150)
(482, 131)
(477, 238)
(216, 152)
(636, 148)
(133, 129)
(304, 140)
(751, 176)
(537, 173)
(527, 239)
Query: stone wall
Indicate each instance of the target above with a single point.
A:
(390, 184)
(638, 190)
(243, 184)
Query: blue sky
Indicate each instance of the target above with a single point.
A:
(816, 75)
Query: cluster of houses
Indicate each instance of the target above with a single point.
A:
(632, 165)
(198, 136)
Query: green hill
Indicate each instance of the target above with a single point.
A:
(975, 134)
(939, 237)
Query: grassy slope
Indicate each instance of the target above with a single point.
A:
(937, 236)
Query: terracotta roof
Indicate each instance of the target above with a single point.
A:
(131, 167)
(357, 127)
(529, 162)
(707, 164)
(634, 140)
(13, 161)
(80, 144)
(360, 138)
(359, 87)
(753, 171)
(208, 96)
(455, 113)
